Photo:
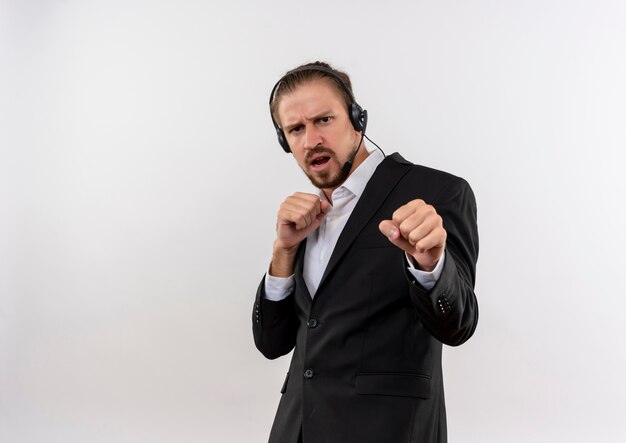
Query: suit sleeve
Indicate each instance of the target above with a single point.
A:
(449, 310)
(274, 324)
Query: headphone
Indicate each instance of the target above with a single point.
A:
(357, 115)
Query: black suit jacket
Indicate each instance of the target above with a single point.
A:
(367, 360)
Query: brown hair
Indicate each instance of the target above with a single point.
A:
(300, 75)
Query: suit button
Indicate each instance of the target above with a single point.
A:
(308, 373)
(311, 323)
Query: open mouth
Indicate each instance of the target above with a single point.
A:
(319, 161)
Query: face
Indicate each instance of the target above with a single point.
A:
(315, 120)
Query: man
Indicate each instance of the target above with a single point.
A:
(367, 279)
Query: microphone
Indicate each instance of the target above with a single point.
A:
(347, 166)
(345, 170)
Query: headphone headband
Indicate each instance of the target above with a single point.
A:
(358, 116)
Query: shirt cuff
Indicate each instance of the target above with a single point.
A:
(426, 279)
(278, 288)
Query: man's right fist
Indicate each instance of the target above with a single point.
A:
(298, 216)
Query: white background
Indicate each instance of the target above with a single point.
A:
(140, 176)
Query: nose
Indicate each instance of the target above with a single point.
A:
(312, 137)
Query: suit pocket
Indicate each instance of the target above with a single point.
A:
(396, 384)
(284, 388)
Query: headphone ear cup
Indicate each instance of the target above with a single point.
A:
(358, 117)
(282, 140)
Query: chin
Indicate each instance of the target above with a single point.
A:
(327, 181)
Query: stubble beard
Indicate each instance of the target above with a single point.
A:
(325, 179)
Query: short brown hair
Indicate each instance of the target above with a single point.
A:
(300, 75)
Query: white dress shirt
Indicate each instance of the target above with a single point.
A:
(321, 242)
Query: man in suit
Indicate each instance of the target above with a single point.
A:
(367, 280)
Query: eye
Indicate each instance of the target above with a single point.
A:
(325, 119)
(296, 129)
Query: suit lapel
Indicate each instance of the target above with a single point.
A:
(388, 173)
(303, 292)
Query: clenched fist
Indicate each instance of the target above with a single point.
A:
(298, 216)
(417, 229)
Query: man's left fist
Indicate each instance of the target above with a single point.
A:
(417, 229)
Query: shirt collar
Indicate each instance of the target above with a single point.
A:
(356, 182)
